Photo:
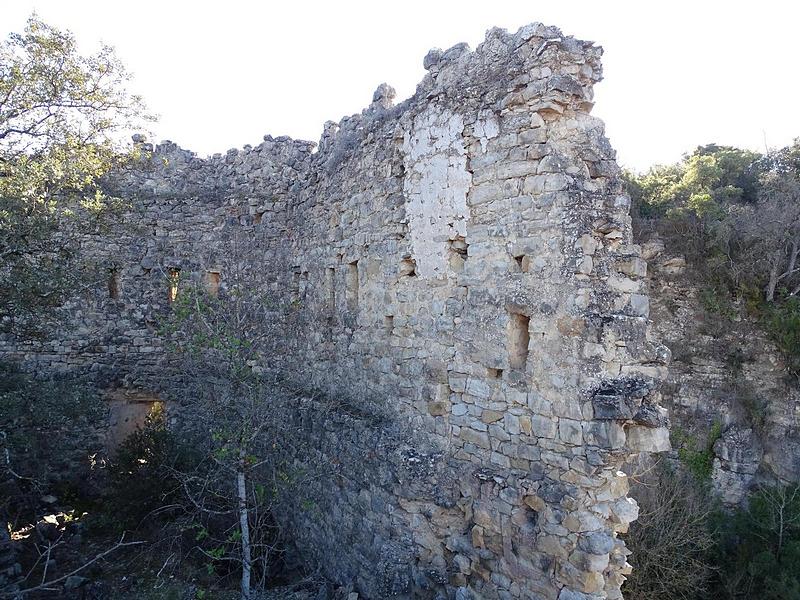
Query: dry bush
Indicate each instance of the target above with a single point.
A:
(670, 541)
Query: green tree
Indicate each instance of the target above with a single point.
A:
(704, 181)
(758, 547)
(49, 438)
(62, 116)
(735, 216)
(221, 337)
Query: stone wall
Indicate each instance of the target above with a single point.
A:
(462, 260)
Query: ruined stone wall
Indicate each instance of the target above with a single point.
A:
(463, 261)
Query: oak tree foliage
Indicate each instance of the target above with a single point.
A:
(62, 119)
(735, 216)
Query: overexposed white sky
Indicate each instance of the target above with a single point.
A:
(222, 74)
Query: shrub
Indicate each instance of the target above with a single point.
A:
(49, 439)
(718, 301)
(782, 320)
(754, 406)
(139, 475)
(758, 547)
(698, 460)
(670, 541)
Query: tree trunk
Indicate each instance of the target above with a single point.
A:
(792, 258)
(769, 291)
(244, 526)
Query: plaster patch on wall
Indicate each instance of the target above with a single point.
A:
(486, 128)
(435, 187)
(127, 412)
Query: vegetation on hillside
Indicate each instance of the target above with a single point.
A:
(686, 546)
(735, 215)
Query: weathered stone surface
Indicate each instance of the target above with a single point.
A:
(447, 261)
(725, 376)
(598, 542)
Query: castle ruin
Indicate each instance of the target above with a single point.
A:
(464, 259)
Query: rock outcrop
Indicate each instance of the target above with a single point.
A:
(726, 379)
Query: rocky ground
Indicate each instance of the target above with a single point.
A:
(65, 556)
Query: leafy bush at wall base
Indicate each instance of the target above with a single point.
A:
(140, 480)
(50, 441)
(165, 483)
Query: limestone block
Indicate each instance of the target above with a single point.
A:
(633, 267)
(647, 439)
(589, 562)
(491, 416)
(605, 434)
(479, 438)
(545, 427)
(570, 431)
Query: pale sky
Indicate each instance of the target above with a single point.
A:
(222, 74)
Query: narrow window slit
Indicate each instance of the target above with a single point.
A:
(518, 340)
(458, 252)
(495, 373)
(303, 284)
(408, 267)
(330, 278)
(388, 323)
(295, 284)
(351, 287)
(113, 283)
(212, 283)
(174, 277)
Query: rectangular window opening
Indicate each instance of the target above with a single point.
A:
(113, 283)
(212, 283)
(458, 252)
(352, 285)
(303, 284)
(388, 324)
(519, 338)
(174, 277)
(494, 373)
(295, 284)
(408, 267)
